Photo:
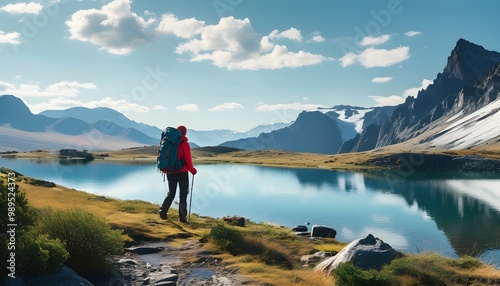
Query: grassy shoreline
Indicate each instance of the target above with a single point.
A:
(140, 222)
(219, 155)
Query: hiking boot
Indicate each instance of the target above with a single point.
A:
(183, 220)
(162, 213)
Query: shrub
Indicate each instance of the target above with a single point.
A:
(425, 268)
(232, 241)
(276, 258)
(88, 238)
(228, 239)
(25, 215)
(347, 274)
(466, 262)
(38, 254)
(24, 218)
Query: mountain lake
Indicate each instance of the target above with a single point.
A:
(450, 213)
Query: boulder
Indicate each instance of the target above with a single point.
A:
(323, 231)
(234, 220)
(300, 228)
(313, 258)
(366, 253)
(145, 249)
(65, 276)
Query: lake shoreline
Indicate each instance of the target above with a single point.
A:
(142, 225)
(380, 159)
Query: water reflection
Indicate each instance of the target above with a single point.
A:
(453, 214)
(465, 206)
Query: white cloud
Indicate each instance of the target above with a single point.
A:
(398, 99)
(230, 44)
(381, 79)
(114, 27)
(290, 34)
(120, 105)
(316, 37)
(188, 107)
(414, 91)
(159, 107)
(10, 38)
(23, 8)
(288, 106)
(412, 33)
(186, 28)
(391, 100)
(63, 88)
(372, 57)
(374, 41)
(226, 106)
(233, 44)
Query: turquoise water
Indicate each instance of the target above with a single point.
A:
(452, 214)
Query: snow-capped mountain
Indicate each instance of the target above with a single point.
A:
(478, 128)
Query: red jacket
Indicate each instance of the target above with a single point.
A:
(184, 153)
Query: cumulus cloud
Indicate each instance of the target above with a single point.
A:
(372, 57)
(159, 107)
(414, 90)
(114, 27)
(10, 38)
(188, 107)
(289, 106)
(233, 44)
(23, 8)
(290, 34)
(398, 99)
(412, 33)
(63, 88)
(186, 28)
(381, 79)
(391, 100)
(316, 37)
(374, 41)
(226, 106)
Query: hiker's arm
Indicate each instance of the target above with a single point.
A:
(188, 160)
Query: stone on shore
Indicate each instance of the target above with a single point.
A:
(365, 253)
(323, 231)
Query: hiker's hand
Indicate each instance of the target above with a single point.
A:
(195, 171)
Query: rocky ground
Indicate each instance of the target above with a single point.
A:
(163, 264)
(436, 162)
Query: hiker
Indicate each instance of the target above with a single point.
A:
(179, 177)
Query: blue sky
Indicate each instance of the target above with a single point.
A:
(230, 64)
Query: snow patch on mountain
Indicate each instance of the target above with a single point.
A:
(479, 127)
(354, 116)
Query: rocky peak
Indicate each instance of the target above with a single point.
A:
(468, 62)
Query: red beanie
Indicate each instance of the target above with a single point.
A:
(182, 129)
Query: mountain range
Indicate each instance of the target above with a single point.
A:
(458, 110)
(92, 129)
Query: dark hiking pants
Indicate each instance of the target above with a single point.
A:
(181, 179)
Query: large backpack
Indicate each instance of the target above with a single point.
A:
(166, 160)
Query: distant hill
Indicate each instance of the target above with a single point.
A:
(22, 130)
(216, 137)
(312, 132)
(92, 115)
(196, 137)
